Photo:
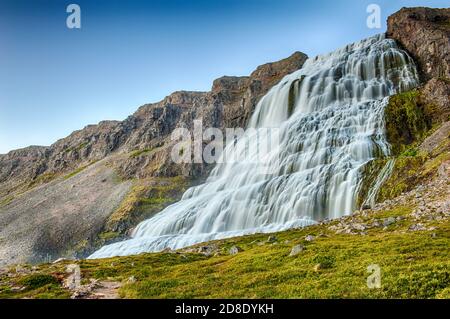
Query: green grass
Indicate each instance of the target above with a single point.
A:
(138, 153)
(36, 281)
(413, 265)
(6, 200)
(78, 170)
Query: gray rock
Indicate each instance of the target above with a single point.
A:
(417, 227)
(309, 238)
(388, 221)
(234, 250)
(296, 250)
(272, 239)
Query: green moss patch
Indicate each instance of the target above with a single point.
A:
(406, 120)
(35, 281)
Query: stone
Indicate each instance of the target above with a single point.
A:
(272, 239)
(424, 32)
(309, 238)
(359, 227)
(234, 250)
(388, 221)
(296, 250)
(59, 260)
(417, 227)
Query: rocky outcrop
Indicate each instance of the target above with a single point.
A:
(100, 181)
(425, 33)
(436, 93)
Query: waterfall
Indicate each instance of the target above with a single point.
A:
(383, 175)
(329, 121)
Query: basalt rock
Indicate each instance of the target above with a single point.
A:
(425, 33)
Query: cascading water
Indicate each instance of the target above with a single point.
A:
(329, 117)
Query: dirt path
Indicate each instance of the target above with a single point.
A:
(105, 290)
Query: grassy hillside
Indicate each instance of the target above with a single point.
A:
(332, 264)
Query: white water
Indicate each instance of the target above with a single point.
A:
(335, 127)
(383, 175)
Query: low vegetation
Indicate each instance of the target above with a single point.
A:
(413, 265)
(147, 197)
(138, 153)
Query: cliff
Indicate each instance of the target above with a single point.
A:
(93, 185)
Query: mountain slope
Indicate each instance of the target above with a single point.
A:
(54, 188)
(406, 233)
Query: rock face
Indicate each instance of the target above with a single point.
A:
(425, 33)
(229, 104)
(436, 92)
(56, 198)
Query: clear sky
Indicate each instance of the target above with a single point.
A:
(54, 80)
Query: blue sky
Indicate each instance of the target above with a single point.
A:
(54, 80)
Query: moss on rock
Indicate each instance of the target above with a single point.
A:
(147, 197)
(407, 120)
